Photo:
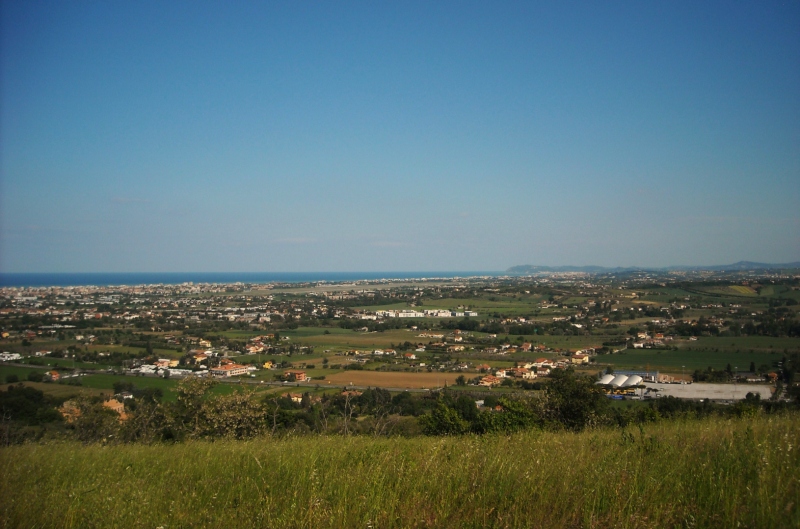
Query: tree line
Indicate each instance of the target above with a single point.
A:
(568, 401)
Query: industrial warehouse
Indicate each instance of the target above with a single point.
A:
(648, 386)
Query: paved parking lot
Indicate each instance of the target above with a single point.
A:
(700, 390)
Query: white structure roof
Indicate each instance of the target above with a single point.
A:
(633, 380)
(605, 379)
(619, 380)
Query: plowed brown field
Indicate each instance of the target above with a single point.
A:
(384, 379)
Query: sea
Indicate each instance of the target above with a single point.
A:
(176, 278)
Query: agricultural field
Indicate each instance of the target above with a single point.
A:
(684, 360)
(59, 391)
(707, 351)
(333, 338)
(107, 382)
(94, 382)
(346, 339)
(160, 352)
(20, 372)
(568, 342)
(337, 339)
(488, 303)
(394, 379)
(314, 331)
(761, 344)
(51, 362)
(388, 306)
(744, 292)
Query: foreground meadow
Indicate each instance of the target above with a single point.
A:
(709, 473)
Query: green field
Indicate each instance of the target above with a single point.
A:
(343, 339)
(739, 293)
(672, 361)
(488, 304)
(21, 372)
(66, 363)
(567, 342)
(716, 352)
(166, 385)
(701, 474)
(388, 306)
(61, 391)
(481, 304)
(761, 344)
(162, 353)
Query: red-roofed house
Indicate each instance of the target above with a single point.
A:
(294, 376)
(229, 370)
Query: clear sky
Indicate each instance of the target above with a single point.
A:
(333, 136)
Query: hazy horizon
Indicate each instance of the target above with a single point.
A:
(392, 272)
(163, 137)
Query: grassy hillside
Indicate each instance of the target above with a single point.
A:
(712, 473)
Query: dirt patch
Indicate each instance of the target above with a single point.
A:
(384, 379)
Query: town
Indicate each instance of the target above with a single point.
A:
(719, 337)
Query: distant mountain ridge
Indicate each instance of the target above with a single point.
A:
(740, 266)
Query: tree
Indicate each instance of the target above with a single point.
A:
(186, 412)
(466, 408)
(443, 421)
(461, 380)
(94, 421)
(574, 401)
(514, 416)
(237, 416)
(148, 422)
(27, 405)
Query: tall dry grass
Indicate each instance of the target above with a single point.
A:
(710, 473)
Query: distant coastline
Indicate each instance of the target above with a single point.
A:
(735, 267)
(176, 278)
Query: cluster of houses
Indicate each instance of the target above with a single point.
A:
(223, 368)
(169, 366)
(162, 366)
(409, 313)
(10, 357)
(645, 340)
(541, 367)
(256, 345)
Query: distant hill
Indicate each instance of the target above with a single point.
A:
(750, 265)
(531, 269)
(740, 266)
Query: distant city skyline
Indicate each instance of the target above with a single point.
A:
(208, 137)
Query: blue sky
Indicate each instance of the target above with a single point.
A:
(192, 136)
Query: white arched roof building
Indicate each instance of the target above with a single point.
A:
(633, 380)
(618, 380)
(605, 379)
